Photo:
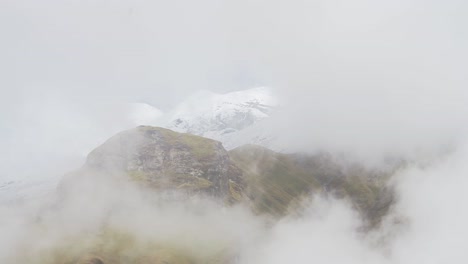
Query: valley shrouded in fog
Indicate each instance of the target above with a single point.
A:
(249, 131)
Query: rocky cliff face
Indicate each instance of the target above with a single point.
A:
(170, 161)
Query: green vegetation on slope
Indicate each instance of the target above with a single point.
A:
(274, 183)
(202, 148)
(163, 159)
(277, 183)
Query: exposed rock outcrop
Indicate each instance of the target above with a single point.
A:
(168, 160)
(272, 183)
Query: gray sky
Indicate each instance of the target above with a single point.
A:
(372, 76)
(366, 77)
(130, 50)
(157, 51)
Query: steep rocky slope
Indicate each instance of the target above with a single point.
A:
(271, 183)
(163, 161)
(233, 118)
(169, 161)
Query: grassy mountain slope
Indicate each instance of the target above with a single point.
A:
(277, 183)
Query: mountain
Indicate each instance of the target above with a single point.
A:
(234, 118)
(269, 182)
(181, 169)
(168, 162)
(225, 117)
(278, 183)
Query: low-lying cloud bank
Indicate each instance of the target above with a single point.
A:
(427, 224)
(100, 214)
(370, 79)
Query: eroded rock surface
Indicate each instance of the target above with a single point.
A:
(168, 160)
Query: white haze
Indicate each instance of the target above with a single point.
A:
(371, 79)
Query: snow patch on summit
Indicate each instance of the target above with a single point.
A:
(224, 117)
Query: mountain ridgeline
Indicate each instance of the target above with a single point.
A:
(184, 167)
(270, 183)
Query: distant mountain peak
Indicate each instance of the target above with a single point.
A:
(222, 116)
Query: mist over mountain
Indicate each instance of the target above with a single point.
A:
(160, 169)
(233, 118)
(234, 132)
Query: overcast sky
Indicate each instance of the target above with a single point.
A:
(156, 51)
(365, 77)
(370, 75)
(136, 50)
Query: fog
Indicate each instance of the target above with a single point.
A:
(368, 79)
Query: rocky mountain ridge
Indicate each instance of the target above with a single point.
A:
(269, 182)
(185, 168)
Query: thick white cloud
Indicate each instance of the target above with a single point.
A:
(370, 78)
(366, 76)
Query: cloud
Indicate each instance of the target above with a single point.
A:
(368, 78)
(325, 234)
(431, 197)
(373, 78)
(362, 76)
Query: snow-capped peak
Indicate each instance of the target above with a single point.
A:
(221, 116)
